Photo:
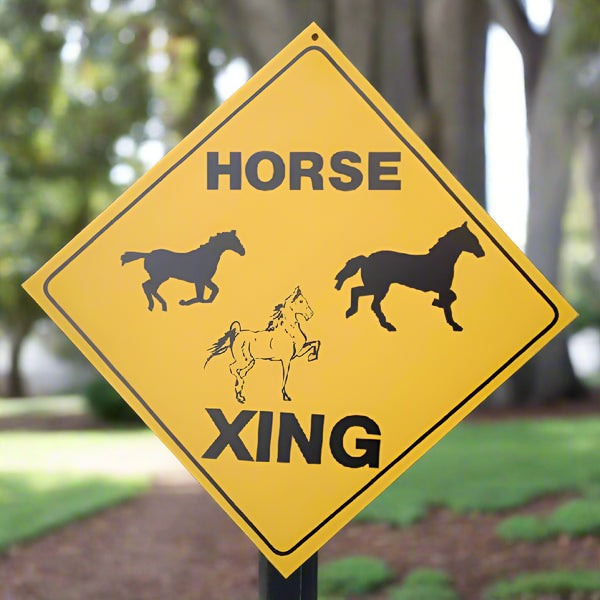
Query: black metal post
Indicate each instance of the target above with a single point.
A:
(300, 585)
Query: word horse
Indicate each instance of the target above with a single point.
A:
(197, 266)
(431, 272)
(282, 340)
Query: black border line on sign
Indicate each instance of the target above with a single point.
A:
(407, 451)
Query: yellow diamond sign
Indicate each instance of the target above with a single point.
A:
(299, 300)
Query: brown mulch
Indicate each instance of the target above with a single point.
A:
(175, 543)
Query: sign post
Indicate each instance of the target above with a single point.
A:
(300, 585)
(299, 300)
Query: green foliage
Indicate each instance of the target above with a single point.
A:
(424, 584)
(106, 403)
(353, 575)
(585, 26)
(32, 504)
(73, 82)
(526, 528)
(494, 466)
(562, 583)
(574, 518)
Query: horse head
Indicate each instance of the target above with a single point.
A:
(469, 243)
(230, 241)
(298, 304)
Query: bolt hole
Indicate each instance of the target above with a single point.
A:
(315, 36)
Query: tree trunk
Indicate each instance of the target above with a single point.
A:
(15, 384)
(455, 50)
(551, 146)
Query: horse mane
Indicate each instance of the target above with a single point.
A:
(447, 238)
(217, 236)
(277, 316)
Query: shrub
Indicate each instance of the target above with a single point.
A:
(353, 575)
(106, 403)
(424, 584)
(561, 583)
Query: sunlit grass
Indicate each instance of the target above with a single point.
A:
(32, 504)
(495, 466)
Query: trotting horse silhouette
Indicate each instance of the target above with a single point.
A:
(282, 340)
(431, 272)
(197, 266)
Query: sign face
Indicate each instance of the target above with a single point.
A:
(299, 300)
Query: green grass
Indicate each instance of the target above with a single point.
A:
(563, 584)
(575, 518)
(31, 504)
(48, 479)
(424, 584)
(353, 575)
(488, 467)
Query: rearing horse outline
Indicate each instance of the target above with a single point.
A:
(282, 340)
(196, 266)
(431, 272)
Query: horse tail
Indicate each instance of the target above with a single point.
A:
(128, 257)
(352, 267)
(225, 342)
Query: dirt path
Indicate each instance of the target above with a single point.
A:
(176, 543)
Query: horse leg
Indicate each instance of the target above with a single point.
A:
(200, 294)
(198, 298)
(355, 294)
(376, 308)
(147, 286)
(286, 371)
(312, 348)
(445, 301)
(214, 290)
(150, 288)
(239, 373)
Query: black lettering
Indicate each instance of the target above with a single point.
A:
(313, 170)
(265, 428)
(229, 434)
(371, 447)
(377, 170)
(356, 177)
(214, 168)
(252, 170)
(310, 447)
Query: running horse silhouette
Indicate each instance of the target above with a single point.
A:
(197, 266)
(282, 340)
(431, 272)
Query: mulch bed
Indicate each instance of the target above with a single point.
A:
(176, 543)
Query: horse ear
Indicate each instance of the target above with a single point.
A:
(464, 224)
(233, 231)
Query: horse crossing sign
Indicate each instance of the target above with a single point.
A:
(299, 300)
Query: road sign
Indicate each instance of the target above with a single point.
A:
(299, 300)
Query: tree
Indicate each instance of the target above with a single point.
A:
(81, 80)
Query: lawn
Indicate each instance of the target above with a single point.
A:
(489, 467)
(49, 478)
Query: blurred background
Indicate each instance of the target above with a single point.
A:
(94, 92)
(505, 92)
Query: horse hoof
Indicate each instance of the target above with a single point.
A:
(390, 327)
(164, 308)
(457, 327)
(436, 302)
(241, 399)
(182, 302)
(349, 312)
